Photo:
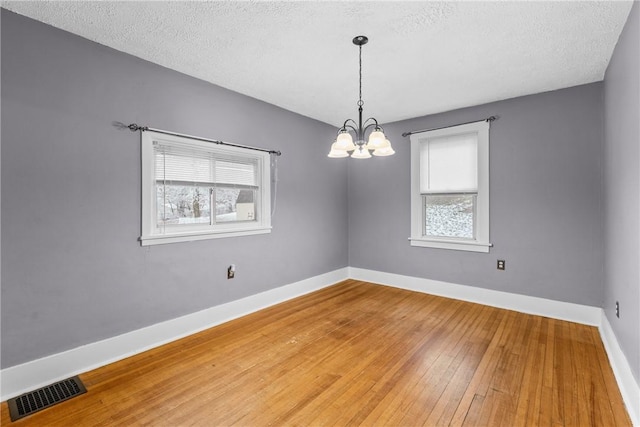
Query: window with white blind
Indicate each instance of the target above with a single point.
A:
(450, 188)
(194, 190)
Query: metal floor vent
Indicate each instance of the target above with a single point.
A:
(44, 397)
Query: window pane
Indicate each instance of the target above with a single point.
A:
(450, 215)
(235, 204)
(182, 204)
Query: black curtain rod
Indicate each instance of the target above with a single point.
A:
(134, 127)
(488, 119)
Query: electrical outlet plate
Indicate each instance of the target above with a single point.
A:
(501, 264)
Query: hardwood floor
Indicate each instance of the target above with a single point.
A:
(359, 354)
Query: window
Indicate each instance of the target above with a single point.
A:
(194, 190)
(450, 188)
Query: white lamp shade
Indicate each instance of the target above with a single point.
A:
(337, 153)
(361, 153)
(376, 140)
(378, 145)
(345, 142)
(350, 147)
(384, 151)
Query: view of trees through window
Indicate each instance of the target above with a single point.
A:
(186, 204)
(449, 215)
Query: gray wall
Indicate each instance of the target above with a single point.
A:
(622, 190)
(73, 271)
(545, 201)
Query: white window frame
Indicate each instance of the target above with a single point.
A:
(151, 235)
(480, 242)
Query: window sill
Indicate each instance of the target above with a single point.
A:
(457, 245)
(161, 239)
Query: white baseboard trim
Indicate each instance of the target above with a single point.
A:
(526, 304)
(38, 373)
(31, 375)
(629, 388)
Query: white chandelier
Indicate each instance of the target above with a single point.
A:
(377, 143)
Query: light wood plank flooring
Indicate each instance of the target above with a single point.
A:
(359, 354)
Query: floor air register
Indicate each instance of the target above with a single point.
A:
(45, 397)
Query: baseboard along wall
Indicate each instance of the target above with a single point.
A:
(584, 314)
(570, 312)
(38, 373)
(41, 372)
(629, 388)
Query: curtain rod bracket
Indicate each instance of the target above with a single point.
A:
(134, 127)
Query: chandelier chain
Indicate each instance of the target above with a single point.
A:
(360, 103)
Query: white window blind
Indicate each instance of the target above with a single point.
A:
(449, 164)
(235, 172)
(184, 165)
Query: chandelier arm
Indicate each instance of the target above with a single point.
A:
(350, 127)
(375, 122)
(344, 126)
(369, 125)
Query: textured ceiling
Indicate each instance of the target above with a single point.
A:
(422, 57)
